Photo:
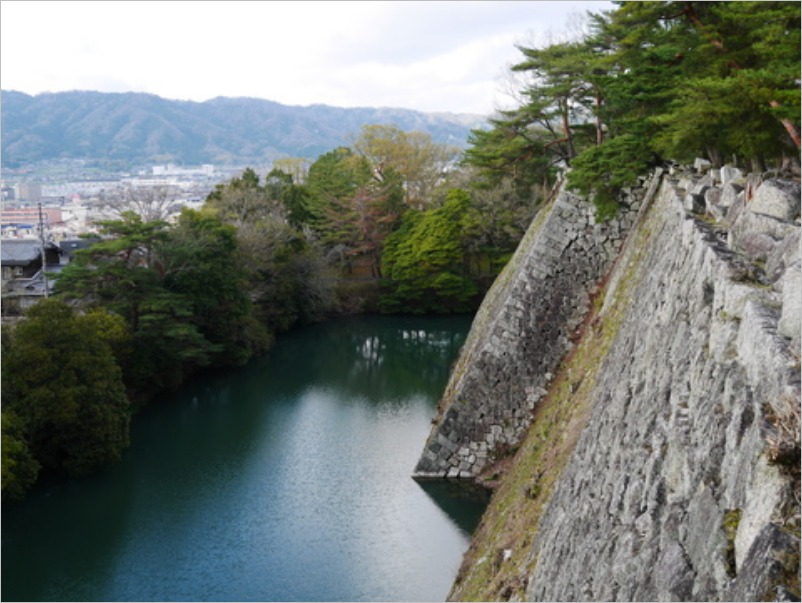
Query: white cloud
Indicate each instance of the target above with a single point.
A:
(458, 78)
(444, 56)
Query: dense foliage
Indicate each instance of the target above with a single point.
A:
(646, 82)
(425, 262)
(179, 290)
(285, 272)
(64, 402)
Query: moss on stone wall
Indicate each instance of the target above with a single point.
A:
(497, 565)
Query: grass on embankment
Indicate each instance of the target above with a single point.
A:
(498, 563)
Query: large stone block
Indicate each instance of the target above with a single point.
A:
(729, 173)
(756, 234)
(791, 315)
(755, 245)
(785, 254)
(712, 199)
(701, 165)
(730, 193)
(694, 203)
(777, 198)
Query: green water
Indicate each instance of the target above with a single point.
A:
(287, 480)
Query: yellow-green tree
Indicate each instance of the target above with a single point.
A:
(425, 263)
(413, 156)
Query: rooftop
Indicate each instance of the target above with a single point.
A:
(18, 252)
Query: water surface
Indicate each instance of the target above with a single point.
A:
(287, 480)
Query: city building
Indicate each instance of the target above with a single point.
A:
(29, 191)
(29, 215)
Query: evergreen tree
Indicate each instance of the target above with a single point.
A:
(510, 149)
(19, 468)
(560, 96)
(202, 265)
(332, 183)
(61, 379)
(741, 95)
(654, 80)
(425, 262)
(133, 274)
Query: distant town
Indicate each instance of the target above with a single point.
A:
(49, 212)
(67, 208)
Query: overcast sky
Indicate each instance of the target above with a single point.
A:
(430, 56)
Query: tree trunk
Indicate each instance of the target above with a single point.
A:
(599, 131)
(715, 157)
(567, 131)
(788, 125)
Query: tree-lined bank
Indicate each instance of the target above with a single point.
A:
(375, 227)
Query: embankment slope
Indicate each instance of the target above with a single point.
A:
(660, 457)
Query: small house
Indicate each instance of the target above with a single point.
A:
(22, 258)
(23, 281)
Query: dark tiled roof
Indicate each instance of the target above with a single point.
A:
(18, 252)
(70, 246)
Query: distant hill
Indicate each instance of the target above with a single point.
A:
(142, 128)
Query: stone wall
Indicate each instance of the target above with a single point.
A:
(683, 483)
(522, 331)
(679, 443)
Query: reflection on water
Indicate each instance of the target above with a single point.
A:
(288, 479)
(463, 502)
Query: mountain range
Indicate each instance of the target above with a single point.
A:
(139, 128)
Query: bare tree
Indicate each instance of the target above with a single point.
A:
(297, 167)
(151, 203)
